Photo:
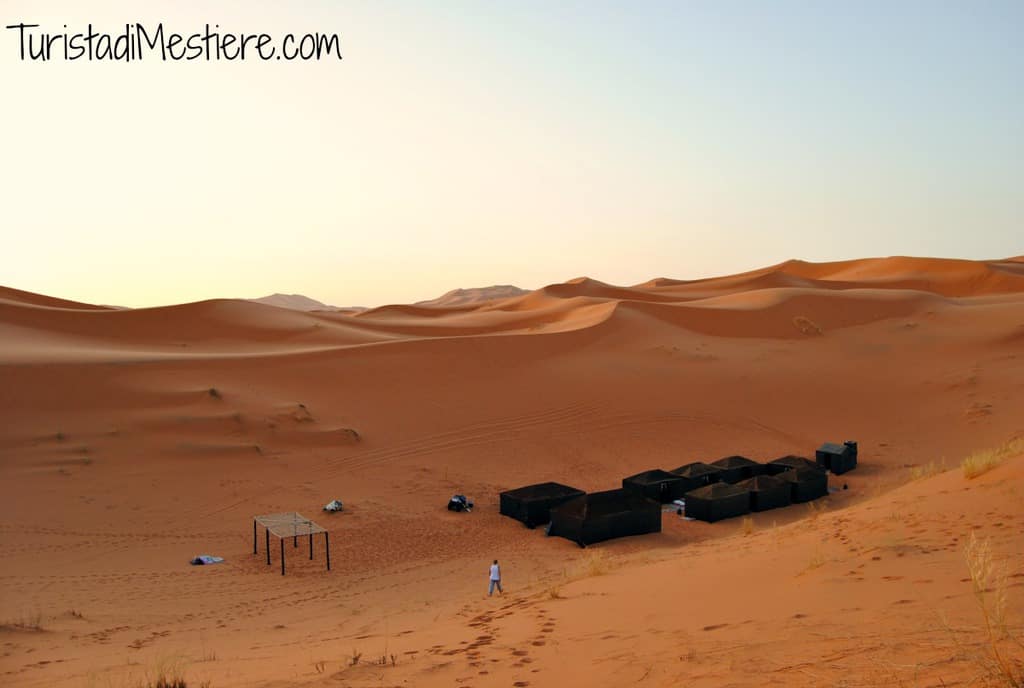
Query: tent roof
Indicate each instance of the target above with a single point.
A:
(794, 461)
(655, 475)
(833, 448)
(695, 469)
(289, 524)
(734, 462)
(605, 503)
(761, 482)
(542, 491)
(799, 475)
(717, 491)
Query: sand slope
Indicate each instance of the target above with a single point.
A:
(133, 440)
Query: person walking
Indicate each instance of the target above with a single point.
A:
(495, 579)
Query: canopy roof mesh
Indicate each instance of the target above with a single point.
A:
(289, 524)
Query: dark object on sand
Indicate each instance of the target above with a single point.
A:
(837, 458)
(788, 462)
(459, 503)
(659, 485)
(698, 474)
(532, 504)
(736, 468)
(605, 515)
(806, 484)
(766, 492)
(717, 501)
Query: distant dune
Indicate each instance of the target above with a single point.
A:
(476, 295)
(133, 440)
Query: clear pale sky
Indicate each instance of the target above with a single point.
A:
(475, 143)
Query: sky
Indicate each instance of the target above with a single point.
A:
(463, 144)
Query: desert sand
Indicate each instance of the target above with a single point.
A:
(133, 440)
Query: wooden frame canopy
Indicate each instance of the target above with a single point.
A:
(288, 524)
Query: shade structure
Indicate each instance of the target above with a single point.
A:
(697, 474)
(736, 468)
(787, 463)
(766, 492)
(717, 501)
(805, 484)
(659, 485)
(838, 458)
(289, 524)
(532, 504)
(605, 515)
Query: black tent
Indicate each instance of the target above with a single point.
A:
(717, 501)
(736, 468)
(532, 504)
(605, 515)
(838, 458)
(788, 463)
(697, 474)
(766, 492)
(806, 484)
(659, 485)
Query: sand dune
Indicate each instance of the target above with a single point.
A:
(133, 440)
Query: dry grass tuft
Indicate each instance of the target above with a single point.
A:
(1002, 655)
(928, 470)
(983, 461)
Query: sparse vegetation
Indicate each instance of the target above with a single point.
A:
(927, 470)
(215, 393)
(31, 622)
(806, 325)
(356, 656)
(983, 461)
(747, 525)
(1000, 643)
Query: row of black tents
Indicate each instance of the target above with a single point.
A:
(732, 486)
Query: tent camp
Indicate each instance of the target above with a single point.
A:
(736, 468)
(838, 458)
(697, 474)
(532, 504)
(787, 463)
(717, 501)
(766, 492)
(805, 484)
(659, 485)
(605, 515)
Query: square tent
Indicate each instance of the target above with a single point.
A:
(805, 484)
(838, 458)
(532, 504)
(767, 492)
(605, 515)
(788, 463)
(659, 485)
(289, 524)
(736, 468)
(697, 474)
(717, 501)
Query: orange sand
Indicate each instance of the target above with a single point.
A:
(117, 465)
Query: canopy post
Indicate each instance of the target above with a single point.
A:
(255, 539)
(268, 546)
(311, 546)
(327, 546)
(282, 556)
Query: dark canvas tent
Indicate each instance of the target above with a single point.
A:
(697, 474)
(532, 504)
(736, 468)
(788, 463)
(838, 458)
(659, 485)
(605, 515)
(766, 492)
(805, 484)
(717, 501)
